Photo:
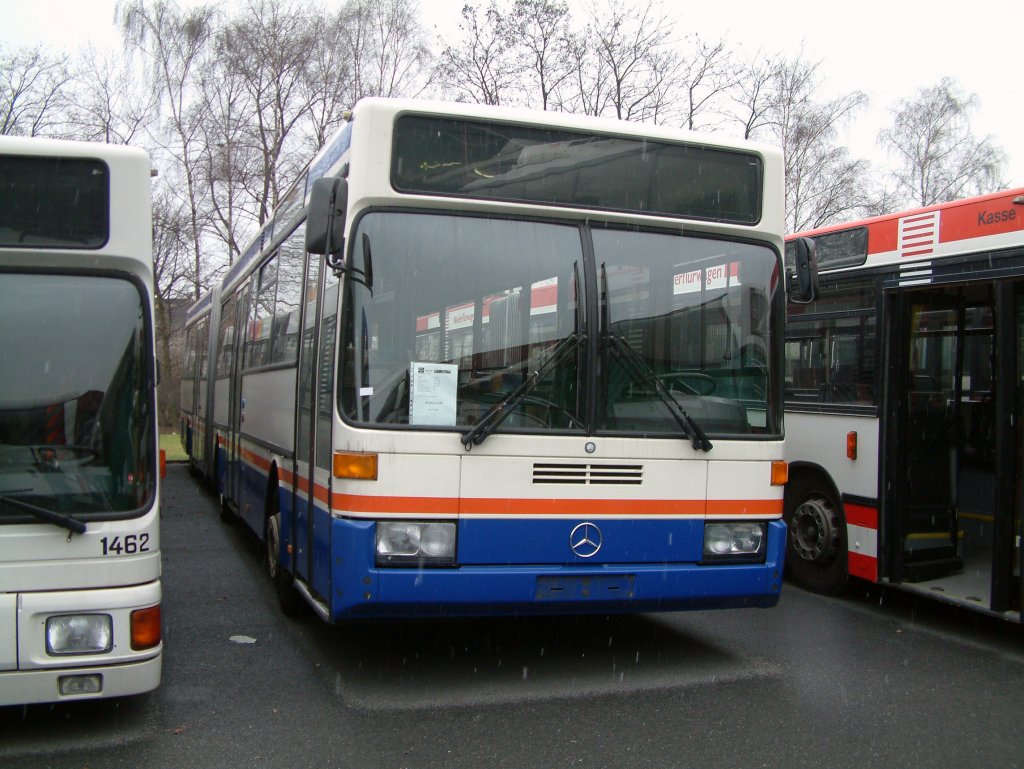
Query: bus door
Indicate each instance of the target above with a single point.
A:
(233, 480)
(956, 467)
(1008, 585)
(298, 534)
(199, 387)
(320, 529)
(311, 533)
(927, 448)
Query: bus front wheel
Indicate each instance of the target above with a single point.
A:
(292, 603)
(816, 541)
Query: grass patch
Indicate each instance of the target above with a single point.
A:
(171, 443)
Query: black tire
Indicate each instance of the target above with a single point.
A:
(816, 540)
(227, 515)
(291, 601)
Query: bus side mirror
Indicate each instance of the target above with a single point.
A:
(803, 288)
(325, 221)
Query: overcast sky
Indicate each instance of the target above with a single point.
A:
(887, 49)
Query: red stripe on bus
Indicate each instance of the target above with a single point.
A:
(360, 503)
(745, 507)
(863, 566)
(286, 476)
(605, 508)
(690, 508)
(861, 515)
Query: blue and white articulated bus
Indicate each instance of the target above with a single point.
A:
(492, 361)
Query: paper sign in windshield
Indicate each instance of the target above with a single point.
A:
(432, 393)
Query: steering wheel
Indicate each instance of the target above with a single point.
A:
(537, 400)
(79, 455)
(690, 382)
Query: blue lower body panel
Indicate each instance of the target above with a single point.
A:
(360, 589)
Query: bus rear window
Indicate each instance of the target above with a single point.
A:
(502, 161)
(51, 202)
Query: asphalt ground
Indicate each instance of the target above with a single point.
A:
(874, 678)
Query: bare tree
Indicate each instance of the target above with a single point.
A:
(173, 279)
(369, 48)
(330, 78)
(938, 158)
(880, 201)
(753, 94)
(541, 28)
(396, 58)
(32, 85)
(591, 92)
(823, 185)
(173, 44)
(482, 66)
(635, 57)
(706, 75)
(266, 47)
(230, 161)
(109, 104)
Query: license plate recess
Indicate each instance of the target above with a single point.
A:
(589, 588)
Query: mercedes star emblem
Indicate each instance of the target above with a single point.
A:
(585, 540)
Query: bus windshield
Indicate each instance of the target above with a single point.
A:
(76, 408)
(563, 328)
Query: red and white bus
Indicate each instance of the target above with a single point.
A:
(904, 405)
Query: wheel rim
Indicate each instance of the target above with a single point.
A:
(273, 543)
(814, 533)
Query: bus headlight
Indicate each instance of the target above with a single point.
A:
(79, 634)
(414, 543)
(734, 541)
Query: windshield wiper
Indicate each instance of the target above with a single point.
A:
(73, 525)
(496, 414)
(638, 368)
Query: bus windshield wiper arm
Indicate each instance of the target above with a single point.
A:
(638, 366)
(50, 516)
(496, 414)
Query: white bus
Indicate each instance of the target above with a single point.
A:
(904, 405)
(538, 371)
(79, 514)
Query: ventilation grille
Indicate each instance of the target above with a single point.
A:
(589, 475)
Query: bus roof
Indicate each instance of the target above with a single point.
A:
(333, 158)
(984, 222)
(554, 119)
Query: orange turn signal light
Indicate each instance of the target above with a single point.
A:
(851, 444)
(780, 473)
(146, 628)
(355, 465)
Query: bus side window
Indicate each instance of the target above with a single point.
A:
(263, 314)
(285, 325)
(830, 348)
